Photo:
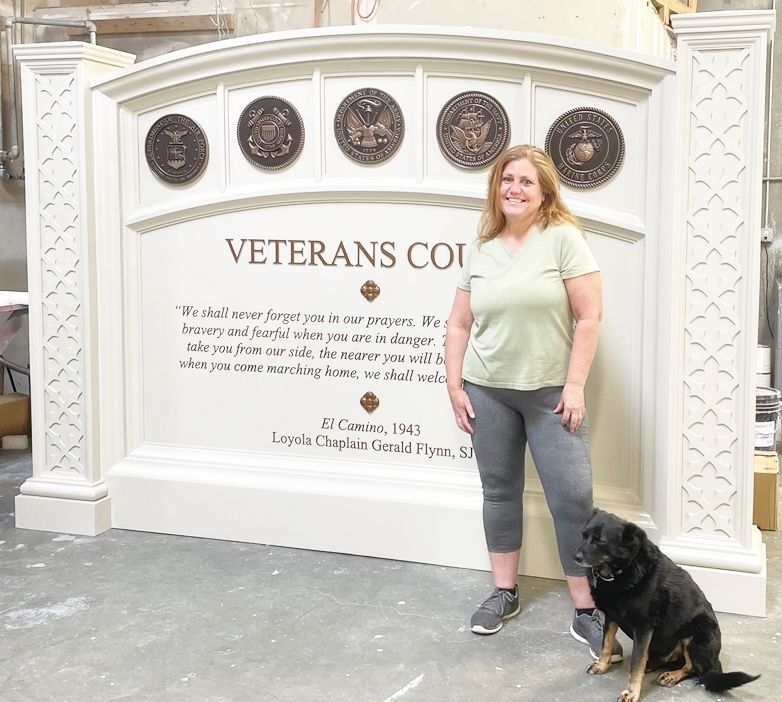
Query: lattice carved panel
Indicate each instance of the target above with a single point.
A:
(714, 290)
(61, 273)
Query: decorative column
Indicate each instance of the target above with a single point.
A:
(716, 261)
(66, 492)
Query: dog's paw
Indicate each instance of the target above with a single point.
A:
(669, 679)
(598, 668)
(627, 696)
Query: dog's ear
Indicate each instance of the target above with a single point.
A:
(632, 535)
(595, 512)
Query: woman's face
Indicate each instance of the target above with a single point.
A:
(520, 191)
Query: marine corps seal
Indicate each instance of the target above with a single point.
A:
(176, 149)
(369, 125)
(270, 132)
(586, 146)
(472, 129)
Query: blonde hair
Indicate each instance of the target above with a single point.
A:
(552, 211)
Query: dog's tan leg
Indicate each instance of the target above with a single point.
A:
(603, 663)
(637, 667)
(670, 678)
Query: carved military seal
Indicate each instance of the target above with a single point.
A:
(369, 125)
(587, 147)
(176, 149)
(472, 129)
(270, 132)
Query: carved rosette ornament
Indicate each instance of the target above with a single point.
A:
(472, 130)
(586, 146)
(176, 149)
(370, 290)
(369, 401)
(270, 133)
(369, 126)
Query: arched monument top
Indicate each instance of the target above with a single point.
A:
(385, 43)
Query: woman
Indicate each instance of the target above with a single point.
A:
(520, 341)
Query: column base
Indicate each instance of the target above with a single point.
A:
(734, 591)
(63, 515)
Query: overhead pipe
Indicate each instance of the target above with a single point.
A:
(13, 153)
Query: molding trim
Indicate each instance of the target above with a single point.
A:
(257, 53)
(277, 498)
(720, 22)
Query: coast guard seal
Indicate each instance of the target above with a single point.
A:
(270, 133)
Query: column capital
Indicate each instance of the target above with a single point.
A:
(724, 23)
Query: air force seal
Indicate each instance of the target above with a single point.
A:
(176, 149)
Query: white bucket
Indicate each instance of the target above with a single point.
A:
(763, 359)
(767, 405)
(762, 380)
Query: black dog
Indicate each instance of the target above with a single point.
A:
(656, 603)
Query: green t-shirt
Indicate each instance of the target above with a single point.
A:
(523, 330)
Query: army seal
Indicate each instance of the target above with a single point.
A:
(586, 146)
(472, 129)
(369, 126)
(270, 133)
(176, 149)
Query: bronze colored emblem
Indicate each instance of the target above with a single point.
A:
(176, 149)
(370, 290)
(369, 401)
(270, 133)
(472, 130)
(587, 147)
(369, 125)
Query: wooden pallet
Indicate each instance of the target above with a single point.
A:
(666, 8)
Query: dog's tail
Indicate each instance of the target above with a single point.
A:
(717, 681)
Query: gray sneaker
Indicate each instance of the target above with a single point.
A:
(588, 629)
(499, 606)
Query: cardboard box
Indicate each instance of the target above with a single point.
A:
(14, 414)
(766, 497)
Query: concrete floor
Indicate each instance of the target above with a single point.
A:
(138, 616)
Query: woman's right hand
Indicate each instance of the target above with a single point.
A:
(457, 335)
(462, 409)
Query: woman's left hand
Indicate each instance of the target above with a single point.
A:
(571, 406)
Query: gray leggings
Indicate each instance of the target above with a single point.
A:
(505, 420)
